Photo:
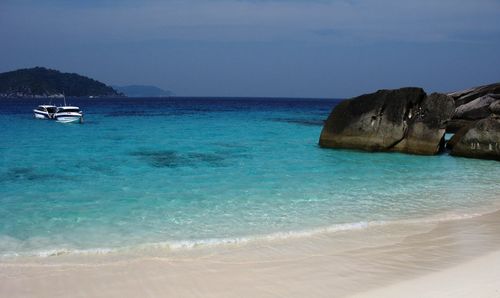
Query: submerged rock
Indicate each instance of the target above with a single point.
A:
(403, 120)
(480, 140)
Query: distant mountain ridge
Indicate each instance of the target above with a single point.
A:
(44, 82)
(143, 91)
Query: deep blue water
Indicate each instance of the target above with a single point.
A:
(185, 171)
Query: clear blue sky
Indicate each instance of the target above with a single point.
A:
(295, 48)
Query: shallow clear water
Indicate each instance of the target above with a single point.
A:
(182, 171)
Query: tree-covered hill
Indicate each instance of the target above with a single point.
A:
(40, 81)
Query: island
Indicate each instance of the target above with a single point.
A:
(143, 91)
(43, 82)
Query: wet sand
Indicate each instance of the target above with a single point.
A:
(445, 259)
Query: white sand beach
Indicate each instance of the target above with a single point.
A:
(476, 278)
(456, 258)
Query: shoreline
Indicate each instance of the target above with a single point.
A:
(187, 246)
(338, 264)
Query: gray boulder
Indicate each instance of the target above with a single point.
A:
(472, 105)
(466, 96)
(480, 140)
(476, 109)
(404, 120)
(495, 107)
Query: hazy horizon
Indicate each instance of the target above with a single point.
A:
(262, 48)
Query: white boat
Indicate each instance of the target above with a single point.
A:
(44, 112)
(64, 114)
(68, 114)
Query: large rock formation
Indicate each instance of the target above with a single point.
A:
(479, 140)
(403, 120)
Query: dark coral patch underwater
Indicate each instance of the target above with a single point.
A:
(300, 121)
(174, 159)
(28, 174)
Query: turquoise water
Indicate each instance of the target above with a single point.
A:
(181, 172)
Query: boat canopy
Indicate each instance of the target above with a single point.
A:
(46, 108)
(67, 108)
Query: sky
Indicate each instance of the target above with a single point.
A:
(275, 48)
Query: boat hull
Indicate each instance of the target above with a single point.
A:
(40, 115)
(69, 119)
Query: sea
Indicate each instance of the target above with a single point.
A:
(180, 172)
